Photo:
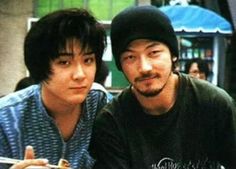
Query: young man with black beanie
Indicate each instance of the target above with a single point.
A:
(164, 119)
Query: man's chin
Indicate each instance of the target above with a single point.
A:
(151, 93)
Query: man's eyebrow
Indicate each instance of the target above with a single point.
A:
(153, 44)
(149, 46)
(88, 52)
(65, 54)
(127, 50)
(72, 54)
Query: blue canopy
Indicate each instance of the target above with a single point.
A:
(195, 19)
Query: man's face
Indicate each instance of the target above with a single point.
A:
(195, 72)
(147, 65)
(72, 76)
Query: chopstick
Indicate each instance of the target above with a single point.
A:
(7, 160)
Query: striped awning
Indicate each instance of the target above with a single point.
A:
(195, 19)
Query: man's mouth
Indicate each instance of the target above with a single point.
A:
(146, 78)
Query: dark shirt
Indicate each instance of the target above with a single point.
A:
(198, 132)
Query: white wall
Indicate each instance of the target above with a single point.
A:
(13, 27)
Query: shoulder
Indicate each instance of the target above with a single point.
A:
(204, 91)
(99, 89)
(120, 105)
(205, 86)
(97, 97)
(19, 97)
(116, 115)
(14, 106)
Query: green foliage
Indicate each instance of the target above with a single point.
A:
(102, 9)
(107, 9)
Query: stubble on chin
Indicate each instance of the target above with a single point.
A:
(150, 93)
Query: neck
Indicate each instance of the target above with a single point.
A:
(56, 106)
(163, 101)
(65, 115)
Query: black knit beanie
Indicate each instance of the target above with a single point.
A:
(141, 22)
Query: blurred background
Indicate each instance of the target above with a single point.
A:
(203, 27)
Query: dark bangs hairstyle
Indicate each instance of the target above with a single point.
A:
(202, 66)
(52, 33)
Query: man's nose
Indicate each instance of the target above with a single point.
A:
(78, 72)
(145, 64)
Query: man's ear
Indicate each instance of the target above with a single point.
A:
(174, 58)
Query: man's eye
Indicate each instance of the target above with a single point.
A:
(89, 60)
(63, 62)
(128, 57)
(154, 53)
